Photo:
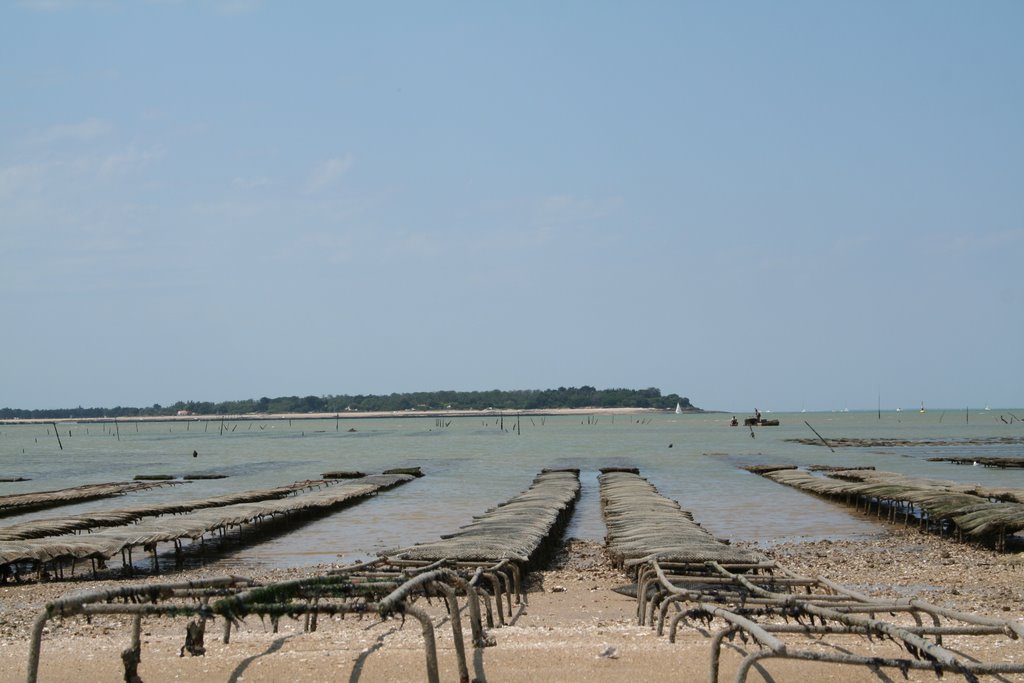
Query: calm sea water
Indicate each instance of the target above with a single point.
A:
(471, 463)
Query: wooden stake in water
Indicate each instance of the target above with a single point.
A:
(58, 436)
(819, 436)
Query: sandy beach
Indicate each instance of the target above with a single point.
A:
(575, 627)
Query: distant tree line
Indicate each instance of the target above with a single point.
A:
(530, 399)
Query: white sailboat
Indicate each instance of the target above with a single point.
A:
(679, 408)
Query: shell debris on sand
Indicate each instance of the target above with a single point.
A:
(901, 562)
(561, 636)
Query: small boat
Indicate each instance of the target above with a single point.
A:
(679, 409)
(759, 422)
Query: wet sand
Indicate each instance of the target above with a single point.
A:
(574, 628)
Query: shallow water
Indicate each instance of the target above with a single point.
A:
(476, 462)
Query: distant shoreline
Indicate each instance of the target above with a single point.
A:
(350, 415)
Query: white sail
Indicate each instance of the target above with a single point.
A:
(679, 408)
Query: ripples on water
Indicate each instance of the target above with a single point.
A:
(472, 465)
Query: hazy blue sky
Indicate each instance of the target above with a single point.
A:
(782, 205)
